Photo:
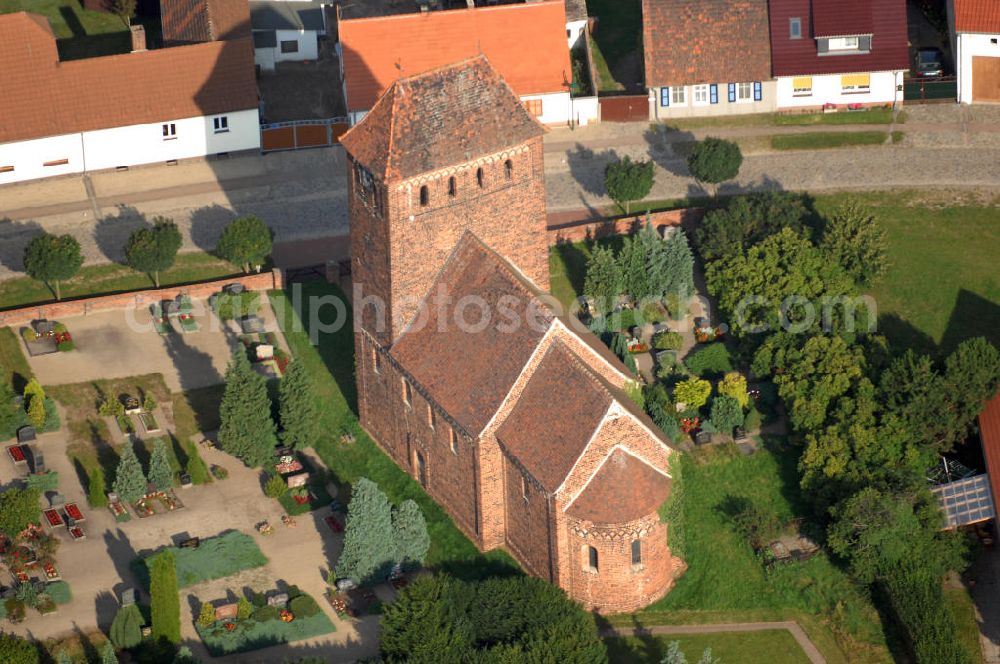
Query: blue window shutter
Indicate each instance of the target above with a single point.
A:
(732, 93)
(758, 93)
(664, 96)
(713, 93)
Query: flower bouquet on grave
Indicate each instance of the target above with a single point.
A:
(286, 616)
(689, 424)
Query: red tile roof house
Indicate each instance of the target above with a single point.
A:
(511, 415)
(838, 53)
(975, 43)
(708, 57)
(141, 107)
(526, 42)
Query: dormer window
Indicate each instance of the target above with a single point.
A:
(843, 44)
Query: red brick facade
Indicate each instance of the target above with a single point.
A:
(479, 229)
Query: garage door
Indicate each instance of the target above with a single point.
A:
(985, 79)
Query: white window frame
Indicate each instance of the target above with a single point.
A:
(678, 95)
(169, 130)
(221, 124)
(740, 99)
(700, 94)
(843, 44)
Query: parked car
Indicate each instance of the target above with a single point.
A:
(929, 62)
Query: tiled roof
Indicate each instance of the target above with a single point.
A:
(842, 18)
(977, 16)
(44, 97)
(196, 21)
(469, 373)
(989, 433)
(448, 115)
(525, 42)
(687, 42)
(555, 417)
(625, 488)
(791, 57)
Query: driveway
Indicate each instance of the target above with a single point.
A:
(99, 567)
(118, 344)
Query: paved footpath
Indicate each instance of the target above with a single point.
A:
(808, 647)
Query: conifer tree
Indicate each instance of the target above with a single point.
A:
(603, 283)
(633, 267)
(409, 530)
(160, 473)
(680, 264)
(130, 483)
(369, 548)
(108, 655)
(246, 428)
(297, 408)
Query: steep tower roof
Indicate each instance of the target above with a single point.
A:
(442, 117)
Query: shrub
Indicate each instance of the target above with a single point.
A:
(15, 650)
(230, 306)
(42, 482)
(59, 592)
(752, 420)
(207, 614)
(275, 486)
(243, 608)
(258, 599)
(693, 392)
(734, 384)
(126, 630)
(726, 414)
(15, 609)
(28, 334)
(18, 508)
(195, 466)
(96, 488)
(219, 473)
(710, 360)
(669, 340)
(303, 606)
(36, 411)
(265, 613)
(165, 605)
(65, 346)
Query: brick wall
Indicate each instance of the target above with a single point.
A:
(450, 471)
(135, 299)
(528, 521)
(579, 231)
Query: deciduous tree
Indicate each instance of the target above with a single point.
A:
(734, 385)
(626, 181)
(715, 160)
(52, 259)
(746, 220)
(246, 428)
(153, 250)
(854, 238)
(246, 242)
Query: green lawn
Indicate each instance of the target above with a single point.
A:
(617, 37)
(965, 617)
(113, 278)
(605, 81)
(877, 116)
(81, 33)
(821, 140)
(14, 369)
(773, 646)
(942, 284)
(331, 364)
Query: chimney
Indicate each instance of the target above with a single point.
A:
(138, 38)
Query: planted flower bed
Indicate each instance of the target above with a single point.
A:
(74, 512)
(305, 499)
(17, 453)
(52, 518)
(266, 626)
(119, 512)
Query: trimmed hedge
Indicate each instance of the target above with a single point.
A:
(165, 603)
(59, 591)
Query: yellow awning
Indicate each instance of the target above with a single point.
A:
(855, 80)
(802, 83)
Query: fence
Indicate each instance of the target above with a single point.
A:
(930, 90)
(301, 134)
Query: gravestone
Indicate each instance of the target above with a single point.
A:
(128, 596)
(26, 435)
(234, 289)
(343, 585)
(702, 438)
(295, 481)
(190, 543)
(278, 599)
(226, 611)
(265, 352)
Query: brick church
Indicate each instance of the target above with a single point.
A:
(509, 413)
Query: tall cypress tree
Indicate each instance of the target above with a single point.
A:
(246, 428)
(108, 655)
(633, 267)
(369, 546)
(680, 273)
(297, 409)
(160, 473)
(165, 602)
(130, 483)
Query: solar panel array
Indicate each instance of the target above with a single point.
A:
(966, 501)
